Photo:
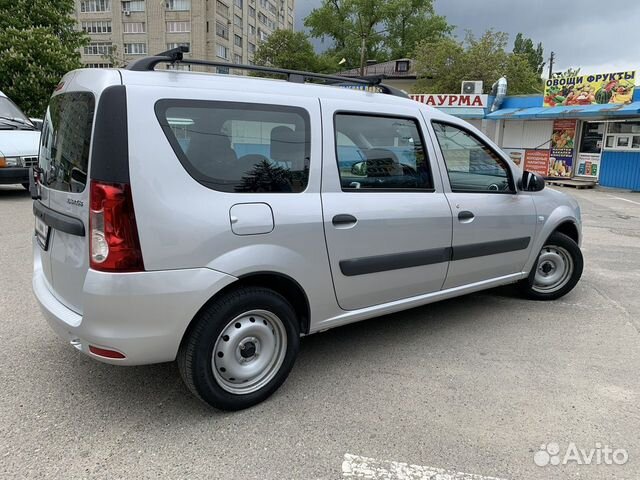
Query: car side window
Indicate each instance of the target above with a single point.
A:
(472, 166)
(239, 147)
(381, 152)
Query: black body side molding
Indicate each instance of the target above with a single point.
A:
(396, 261)
(58, 221)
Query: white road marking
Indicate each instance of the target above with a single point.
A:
(623, 199)
(355, 466)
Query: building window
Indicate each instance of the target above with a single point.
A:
(175, 66)
(133, 27)
(237, 41)
(133, 6)
(237, 58)
(251, 47)
(623, 136)
(135, 48)
(96, 27)
(263, 19)
(238, 3)
(98, 65)
(171, 46)
(222, 52)
(223, 70)
(98, 48)
(178, 27)
(252, 30)
(222, 9)
(237, 21)
(252, 12)
(88, 6)
(262, 35)
(222, 30)
(402, 66)
(178, 5)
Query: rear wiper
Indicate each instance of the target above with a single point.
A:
(19, 122)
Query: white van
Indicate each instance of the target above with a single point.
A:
(19, 141)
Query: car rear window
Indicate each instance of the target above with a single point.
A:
(239, 147)
(65, 141)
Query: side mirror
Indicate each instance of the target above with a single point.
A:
(359, 169)
(531, 182)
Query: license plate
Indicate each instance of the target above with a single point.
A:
(42, 233)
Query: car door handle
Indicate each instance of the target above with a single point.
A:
(344, 220)
(466, 216)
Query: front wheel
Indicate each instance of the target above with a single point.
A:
(241, 348)
(557, 269)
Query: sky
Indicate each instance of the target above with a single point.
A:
(600, 36)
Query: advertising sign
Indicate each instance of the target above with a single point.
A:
(537, 161)
(516, 155)
(451, 101)
(562, 146)
(588, 164)
(595, 89)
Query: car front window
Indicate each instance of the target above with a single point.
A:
(9, 110)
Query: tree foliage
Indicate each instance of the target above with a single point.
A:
(288, 49)
(388, 28)
(534, 55)
(38, 45)
(443, 64)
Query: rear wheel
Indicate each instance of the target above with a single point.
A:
(241, 348)
(557, 269)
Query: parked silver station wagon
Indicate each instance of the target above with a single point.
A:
(216, 219)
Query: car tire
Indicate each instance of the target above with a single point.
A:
(557, 270)
(240, 349)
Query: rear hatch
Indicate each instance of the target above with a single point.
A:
(62, 214)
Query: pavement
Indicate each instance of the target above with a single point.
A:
(488, 384)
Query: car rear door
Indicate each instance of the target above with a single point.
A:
(387, 222)
(493, 223)
(64, 185)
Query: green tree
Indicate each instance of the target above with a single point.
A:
(288, 49)
(534, 55)
(375, 29)
(38, 45)
(414, 21)
(442, 65)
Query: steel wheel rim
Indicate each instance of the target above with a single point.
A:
(249, 352)
(553, 270)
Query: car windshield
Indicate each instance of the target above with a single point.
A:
(10, 112)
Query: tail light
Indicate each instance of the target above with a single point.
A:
(114, 242)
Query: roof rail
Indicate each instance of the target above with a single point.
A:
(176, 55)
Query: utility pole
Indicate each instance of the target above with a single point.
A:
(551, 59)
(363, 48)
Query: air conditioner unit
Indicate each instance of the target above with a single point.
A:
(126, 12)
(472, 87)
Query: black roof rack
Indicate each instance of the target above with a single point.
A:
(176, 55)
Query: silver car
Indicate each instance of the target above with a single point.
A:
(213, 220)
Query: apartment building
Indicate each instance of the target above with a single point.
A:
(222, 30)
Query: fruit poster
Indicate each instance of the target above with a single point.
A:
(597, 89)
(562, 146)
(537, 161)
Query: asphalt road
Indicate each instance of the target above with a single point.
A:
(476, 384)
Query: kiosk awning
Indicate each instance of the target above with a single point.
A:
(576, 111)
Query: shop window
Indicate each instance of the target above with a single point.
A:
(623, 136)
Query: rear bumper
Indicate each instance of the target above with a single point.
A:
(10, 175)
(141, 315)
